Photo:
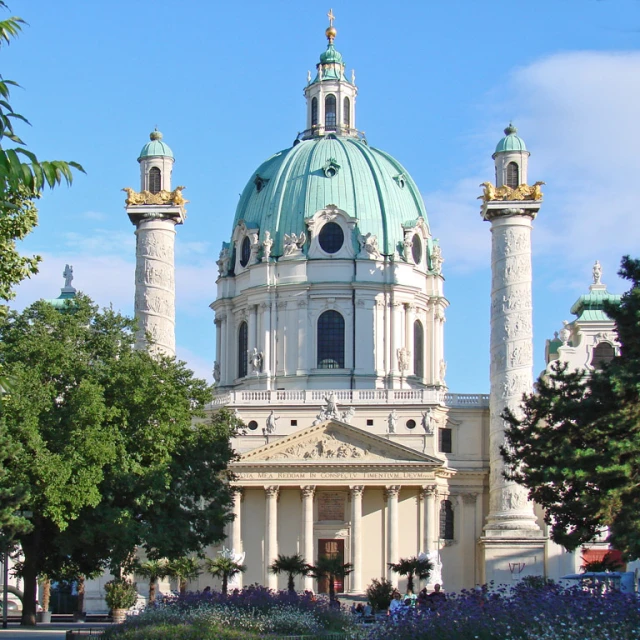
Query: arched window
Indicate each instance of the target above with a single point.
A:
(418, 349)
(243, 347)
(314, 112)
(446, 520)
(155, 180)
(331, 340)
(513, 177)
(603, 353)
(330, 112)
(346, 115)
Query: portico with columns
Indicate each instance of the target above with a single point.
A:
(376, 499)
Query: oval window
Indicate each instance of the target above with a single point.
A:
(331, 237)
(245, 252)
(253, 425)
(416, 249)
(411, 424)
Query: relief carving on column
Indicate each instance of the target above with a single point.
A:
(518, 325)
(515, 384)
(155, 245)
(356, 491)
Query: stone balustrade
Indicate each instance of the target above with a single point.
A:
(316, 397)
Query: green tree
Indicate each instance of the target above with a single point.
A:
(576, 446)
(224, 567)
(184, 569)
(152, 570)
(416, 566)
(291, 565)
(106, 452)
(331, 568)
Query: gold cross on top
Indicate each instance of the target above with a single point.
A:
(331, 17)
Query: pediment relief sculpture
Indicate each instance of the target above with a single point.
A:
(333, 446)
(328, 447)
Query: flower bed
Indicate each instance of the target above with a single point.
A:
(254, 612)
(548, 612)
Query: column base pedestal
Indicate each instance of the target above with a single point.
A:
(511, 555)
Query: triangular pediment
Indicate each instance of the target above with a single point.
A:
(336, 442)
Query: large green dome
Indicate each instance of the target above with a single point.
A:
(365, 182)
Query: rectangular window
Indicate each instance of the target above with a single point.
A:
(369, 422)
(444, 441)
(294, 423)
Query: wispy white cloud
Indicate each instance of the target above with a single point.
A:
(100, 242)
(578, 115)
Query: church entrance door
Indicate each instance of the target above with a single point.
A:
(331, 549)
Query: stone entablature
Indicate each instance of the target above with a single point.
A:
(365, 397)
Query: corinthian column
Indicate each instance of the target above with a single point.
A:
(272, 535)
(392, 529)
(511, 352)
(356, 538)
(307, 516)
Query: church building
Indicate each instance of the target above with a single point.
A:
(330, 316)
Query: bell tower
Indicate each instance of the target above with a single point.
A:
(155, 211)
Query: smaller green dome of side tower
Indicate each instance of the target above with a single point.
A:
(155, 147)
(511, 141)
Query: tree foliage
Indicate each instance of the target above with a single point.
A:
(184, 569)
(415, 566)
(152, 570)
(576, 446)
(224, 567)
(105, 452)
(291, 565)
(331, 568)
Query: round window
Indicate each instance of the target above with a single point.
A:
(416, 249)
(331, 237)
(245, 252)
(253, 425)
(411, 424)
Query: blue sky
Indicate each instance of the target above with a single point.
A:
(438, 81)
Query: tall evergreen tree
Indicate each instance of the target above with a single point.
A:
(576, 446)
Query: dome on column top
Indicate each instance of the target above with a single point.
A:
(511, 141)
(155, 147)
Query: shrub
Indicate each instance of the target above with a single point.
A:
(254, 612)
(379, 594)
(120, 594)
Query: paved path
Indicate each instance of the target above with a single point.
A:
(55, 631)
